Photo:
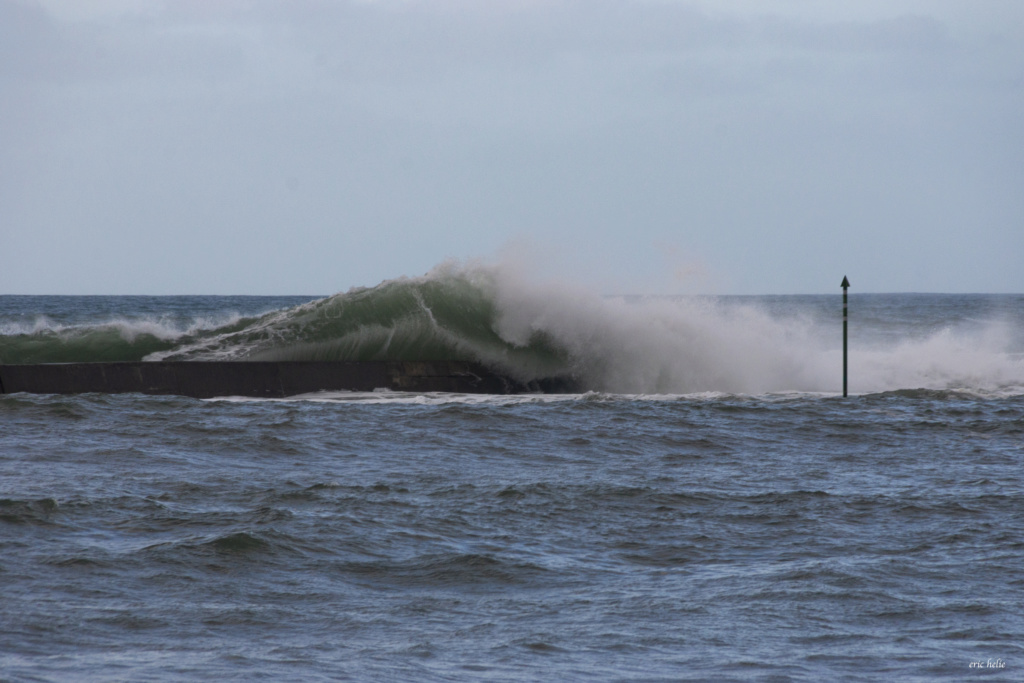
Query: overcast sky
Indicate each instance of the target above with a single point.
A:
(635, 146)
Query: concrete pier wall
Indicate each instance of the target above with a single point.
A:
(265, 379)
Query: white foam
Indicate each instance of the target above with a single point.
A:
(128, 329)
(978, 360)
(408, 398)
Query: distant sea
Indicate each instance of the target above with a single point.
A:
(709, 508)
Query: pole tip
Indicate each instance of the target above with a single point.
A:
(846, 283)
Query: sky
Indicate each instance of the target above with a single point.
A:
(632, 146)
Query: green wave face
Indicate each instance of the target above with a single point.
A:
(81, 344)
(447, 315)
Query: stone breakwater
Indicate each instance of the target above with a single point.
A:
(267, 379)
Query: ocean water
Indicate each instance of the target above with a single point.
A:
(711, 508)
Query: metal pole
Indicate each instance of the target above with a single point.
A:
(845, 286)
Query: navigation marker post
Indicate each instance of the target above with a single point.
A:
(845, 285)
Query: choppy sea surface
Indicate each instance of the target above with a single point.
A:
(711, 508)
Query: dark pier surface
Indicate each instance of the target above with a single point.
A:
(266, 379)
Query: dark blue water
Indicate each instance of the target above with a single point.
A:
(713, 535)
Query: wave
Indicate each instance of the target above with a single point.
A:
(15, 511)
(446, 569)
(453, 313)
(123, 339)
(529, 329)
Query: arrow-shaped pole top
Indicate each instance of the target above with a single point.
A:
(846, 283)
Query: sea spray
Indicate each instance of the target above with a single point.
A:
(657, 344)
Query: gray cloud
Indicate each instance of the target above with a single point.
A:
(313, 145)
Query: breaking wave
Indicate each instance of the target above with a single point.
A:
(528, 329)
